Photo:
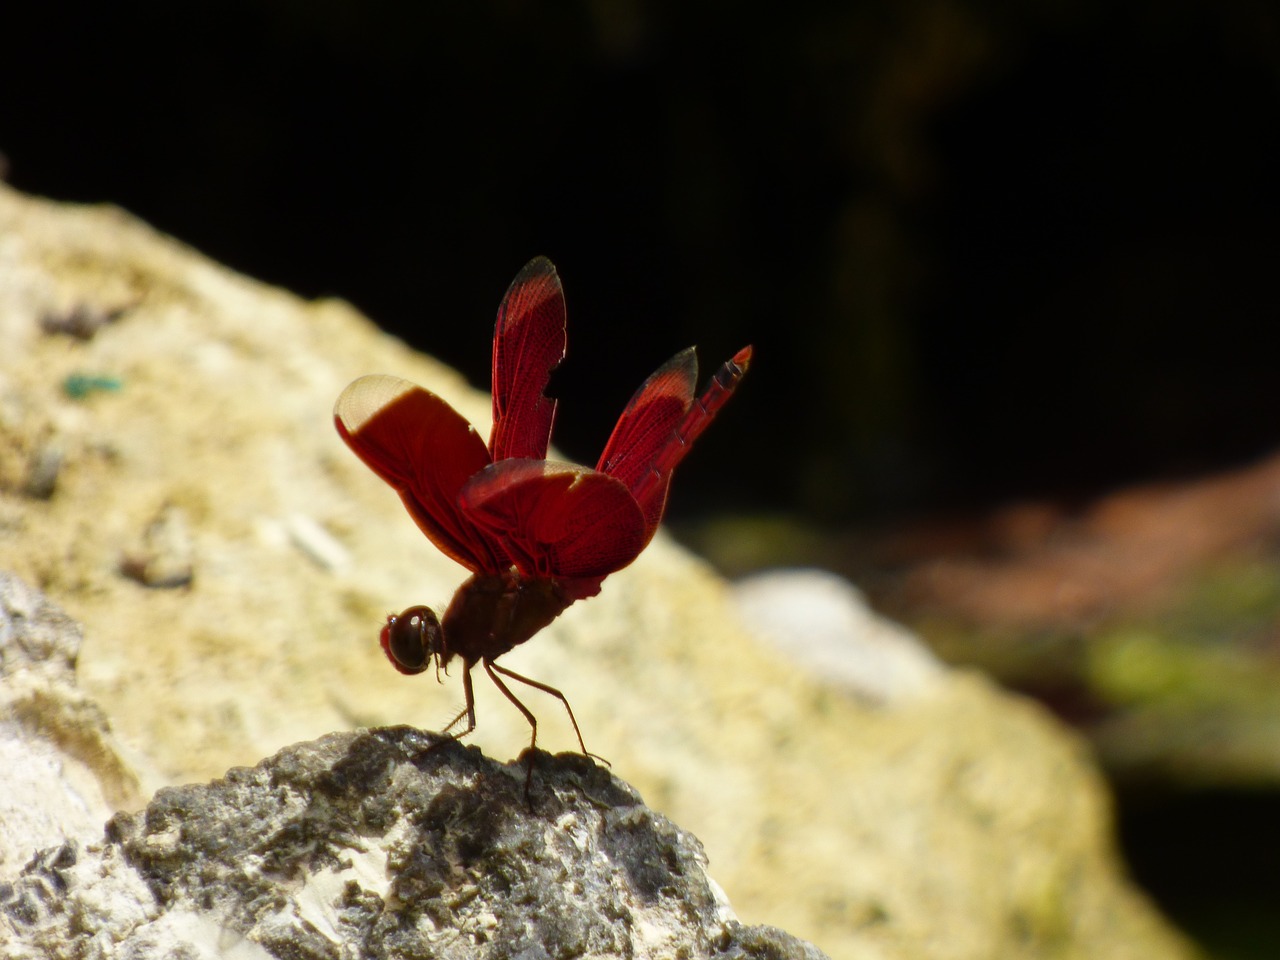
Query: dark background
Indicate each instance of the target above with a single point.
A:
(984, 250)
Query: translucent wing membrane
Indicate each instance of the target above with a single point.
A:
(528, 343)
(423, 448)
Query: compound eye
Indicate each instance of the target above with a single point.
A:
(410, 639)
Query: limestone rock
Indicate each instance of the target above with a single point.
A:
(62, 773)
(823, 623)
(384, 843)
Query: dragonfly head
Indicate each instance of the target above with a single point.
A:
(412, 639)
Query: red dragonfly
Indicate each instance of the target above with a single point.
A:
(536, 534)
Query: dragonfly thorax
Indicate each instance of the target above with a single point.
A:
(491, 613)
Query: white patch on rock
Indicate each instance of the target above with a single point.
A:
(322, 890)
(823, 624)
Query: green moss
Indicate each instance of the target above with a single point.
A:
(1213, 648)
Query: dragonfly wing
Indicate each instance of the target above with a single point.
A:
(426, 451)
(660, 425)
(528, 343)
(557, 520)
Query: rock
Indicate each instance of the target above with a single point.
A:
(822, 622)
(62, 771)
(957, 816)
(385, 843)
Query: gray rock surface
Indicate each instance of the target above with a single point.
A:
(62, 772)
(384, 843)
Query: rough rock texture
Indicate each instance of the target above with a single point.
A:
(169, 474)
(62, 773)
(372, 844)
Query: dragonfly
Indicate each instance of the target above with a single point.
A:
(537, 535)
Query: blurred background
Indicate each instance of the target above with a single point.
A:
(1010, 271)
